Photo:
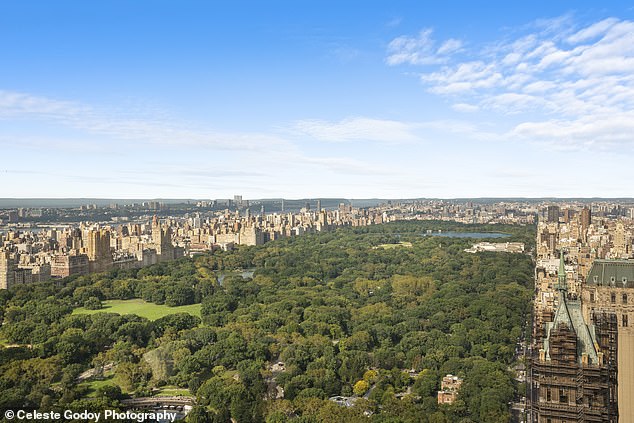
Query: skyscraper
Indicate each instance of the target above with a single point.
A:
(98, 250)
(553, 214)
(586, 218)
(7, 270)
(162, 240)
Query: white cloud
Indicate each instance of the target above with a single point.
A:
(344, 165)
(592, 31)
(585, 132)
(123, 126)
(512, 103)
(575, 81)
(450, 46)
(465, 107)
(358, 129)
(466, 77)
(420, 50)
(17, 104)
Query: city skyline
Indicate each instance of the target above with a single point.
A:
(154, 100)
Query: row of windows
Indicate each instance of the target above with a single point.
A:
(612, 298)
(563, 395)
(595, 279)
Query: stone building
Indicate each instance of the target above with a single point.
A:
(449, 387)
(67, 265)
(7, 270)
(609, 288)
(573, 371)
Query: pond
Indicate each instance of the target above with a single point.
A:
(246, 274)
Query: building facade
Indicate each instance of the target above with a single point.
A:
(449, 388)
(7, 270)
(609, 288)
(573, 373)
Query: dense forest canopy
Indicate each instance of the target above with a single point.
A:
(377, 315)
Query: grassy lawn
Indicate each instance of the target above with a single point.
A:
(95, 384)
(141, 308)
(400, 244)
(172, 391)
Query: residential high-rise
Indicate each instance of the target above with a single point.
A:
(609, 288)
(162, 240)
(98, 250)
(7, 270)
(573, 373)
(586, 218)
(63, 266)
(553, 214)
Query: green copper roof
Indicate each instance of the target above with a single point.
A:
(569, 313)
(614, 273)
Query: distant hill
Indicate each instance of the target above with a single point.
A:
(76, 202)
(328, 203)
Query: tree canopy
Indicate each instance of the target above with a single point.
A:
(324, 315)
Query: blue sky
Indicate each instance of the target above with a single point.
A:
(399, 99)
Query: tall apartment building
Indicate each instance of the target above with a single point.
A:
(573, 374)
(609, 288)
(64, 265)
(553, 214)
(7, 270)
(162, 241)
(586, 218)
(97, 248)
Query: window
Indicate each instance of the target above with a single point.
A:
(624, 298)
(563, 396)
(625, 322)
(592, 297)
(613, 298)
(548, 395)
(595, 278)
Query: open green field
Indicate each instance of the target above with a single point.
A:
(390, 246)
(141, 308)
(95, 384)
(172, 391)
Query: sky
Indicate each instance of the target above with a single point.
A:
(304, 99)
